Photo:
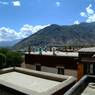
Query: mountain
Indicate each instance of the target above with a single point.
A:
(81, 34)
(8, 43)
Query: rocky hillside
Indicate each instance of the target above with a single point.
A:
(82, 34)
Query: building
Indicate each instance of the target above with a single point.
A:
(20, 81)
(64, 62)
(86, 62)
(85, 86)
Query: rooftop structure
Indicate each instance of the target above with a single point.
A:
(48, 59)
(86, 86)
(57, 53)
(86, 61)
(90, 49)
(19, 81)
(58, 62)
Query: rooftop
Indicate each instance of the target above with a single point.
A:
(90, 49)
(57, 53)
(33, 82)
(85, 86)
(25, 81)
(89, 91)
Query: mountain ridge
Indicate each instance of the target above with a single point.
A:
(81, 34)
(9, 43)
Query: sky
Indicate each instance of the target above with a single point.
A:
(21, 18)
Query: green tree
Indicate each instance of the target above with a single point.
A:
(14, 59)
(2, 60)
(9, 58)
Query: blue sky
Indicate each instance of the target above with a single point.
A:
(22, 16)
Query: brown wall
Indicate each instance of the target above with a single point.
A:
(51, 61)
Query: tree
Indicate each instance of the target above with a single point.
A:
(2, 60)
(9, 58)
(14, 59)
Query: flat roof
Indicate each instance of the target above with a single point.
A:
(88, 91)
(85, 86)
(33, 82)
(90, 49)
(57, 53)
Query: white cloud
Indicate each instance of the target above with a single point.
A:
(91, 18)
(83, 14)
(58, 4)
(76, 22)
(89, 14)
(38, 27)
(16, 3)
(27, 29)
(89, 10)
(4, 3)
(7, 34)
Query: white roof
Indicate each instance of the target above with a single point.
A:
(32, 85)
(90, 49)
(89, 91)
(58, 53)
